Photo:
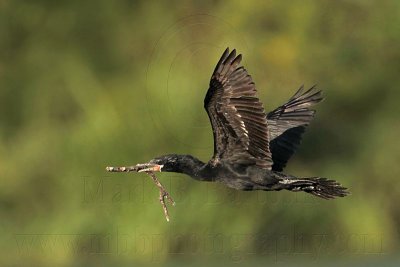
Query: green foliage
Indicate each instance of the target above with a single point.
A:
(87, 84)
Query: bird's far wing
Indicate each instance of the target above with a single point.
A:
(287, 123)
(237, 116)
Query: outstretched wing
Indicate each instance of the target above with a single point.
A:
(287, 123)
(237, 116)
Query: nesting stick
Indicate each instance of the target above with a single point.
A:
(163, 193)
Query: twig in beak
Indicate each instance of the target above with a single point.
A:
(136, 168)
(149, 170)
(163, 194)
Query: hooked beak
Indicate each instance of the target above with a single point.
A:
(150, 167)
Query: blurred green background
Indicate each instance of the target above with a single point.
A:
(86, 84)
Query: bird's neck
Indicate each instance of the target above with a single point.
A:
(193, 167)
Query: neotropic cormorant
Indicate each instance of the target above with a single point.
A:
(251, 148)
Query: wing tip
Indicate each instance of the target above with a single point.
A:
(227, 63)
(230, 57)
(313, 94)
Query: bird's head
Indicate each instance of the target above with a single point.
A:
(168, 163)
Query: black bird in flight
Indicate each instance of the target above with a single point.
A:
(251, 148)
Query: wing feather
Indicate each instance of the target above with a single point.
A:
(287, 123)
(237, 116)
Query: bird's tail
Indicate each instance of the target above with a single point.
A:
(317, 186)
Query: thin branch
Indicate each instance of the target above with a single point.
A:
(163, 193)
(135, 168)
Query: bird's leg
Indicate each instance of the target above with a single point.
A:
(163, 194)
(149, 169)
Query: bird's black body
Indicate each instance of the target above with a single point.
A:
(239, 177)
(247, 177)
(251, 147)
